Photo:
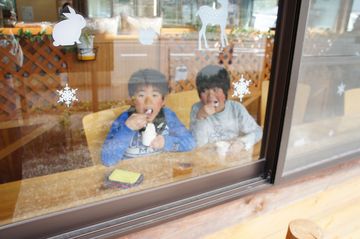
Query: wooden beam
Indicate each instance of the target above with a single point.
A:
(25, 140)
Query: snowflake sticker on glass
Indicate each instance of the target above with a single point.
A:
(67, 95)
(241, 88)
(341, 89)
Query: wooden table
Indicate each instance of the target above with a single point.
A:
(37, 196)
(51, 193)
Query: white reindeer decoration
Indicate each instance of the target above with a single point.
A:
(213, 16)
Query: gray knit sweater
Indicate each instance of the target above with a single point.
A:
(233, 122)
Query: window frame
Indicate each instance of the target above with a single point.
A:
(278, 175)
(119, 216)
(129, 211)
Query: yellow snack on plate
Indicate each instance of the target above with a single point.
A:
(123, 176)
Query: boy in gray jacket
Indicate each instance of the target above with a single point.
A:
(215, 118)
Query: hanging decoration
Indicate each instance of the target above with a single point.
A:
(226, 55)
(241, 88)
(67, 95)
(213, 16)
(68, 31)
(341, 89)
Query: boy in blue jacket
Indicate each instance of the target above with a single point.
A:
(147, 89)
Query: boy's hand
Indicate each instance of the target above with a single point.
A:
(205, 111)
(136, 121)
(158, 142)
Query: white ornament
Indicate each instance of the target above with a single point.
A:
(241, 88)
(300, 142)
(181, 73)
(146, 36)
(68, 31)
(341, 89)
(211, 15)
(67, 95)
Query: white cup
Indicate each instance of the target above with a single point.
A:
(149, 134)
(222, 148)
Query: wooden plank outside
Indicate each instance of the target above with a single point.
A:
(316, 207)
(336, 221)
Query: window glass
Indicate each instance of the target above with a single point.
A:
(326, 120)
(139, 92)
(355, 13)
(102, 8)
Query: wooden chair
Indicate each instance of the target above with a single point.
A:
(181, 104)
(351, 102)
(264, 96)
(96, 126)
(301, 100)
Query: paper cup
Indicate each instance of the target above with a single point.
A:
(149, 134)
(222, 148)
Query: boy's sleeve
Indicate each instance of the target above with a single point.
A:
(248, 126)
(198, 128)
(117, 141)
(179, 138)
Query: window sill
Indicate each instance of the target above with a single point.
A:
(328, 191)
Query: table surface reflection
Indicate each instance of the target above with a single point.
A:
(51, 193)
(322, 141)
(324, 133)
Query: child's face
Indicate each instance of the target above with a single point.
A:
(215, 97)
(148, 100)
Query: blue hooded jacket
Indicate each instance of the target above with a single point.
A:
(120, 138)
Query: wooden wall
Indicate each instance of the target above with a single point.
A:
(43, 10)
(329, 198)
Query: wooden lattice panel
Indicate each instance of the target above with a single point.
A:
(267, 60)
(252, 63)
(29, 79)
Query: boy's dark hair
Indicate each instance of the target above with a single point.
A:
(148, 77)
(212, 76)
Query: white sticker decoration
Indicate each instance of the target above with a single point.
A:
(341, 89)
(213, 16)
(241, 88)
(181, 73)
(67, 95)
(68, 31)
(146, 36)
(300, 142)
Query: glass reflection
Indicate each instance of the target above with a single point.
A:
(325, 116)
(51, 152)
